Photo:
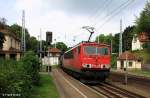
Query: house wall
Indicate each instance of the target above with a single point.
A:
(136, 44)
(135, 64)
(118, 64)
(6, 44)
(51, 59)
(10, 42)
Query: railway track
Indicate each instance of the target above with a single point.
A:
(112, 91)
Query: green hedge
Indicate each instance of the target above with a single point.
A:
(17, 78)
(113, 61)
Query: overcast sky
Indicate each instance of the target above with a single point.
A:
(65, 18)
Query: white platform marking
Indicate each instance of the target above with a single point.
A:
(73, 86)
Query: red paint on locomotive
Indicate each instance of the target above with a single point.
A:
(88, 56)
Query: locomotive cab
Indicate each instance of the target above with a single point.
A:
(96, 57)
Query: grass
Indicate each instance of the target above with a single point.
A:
(140, 72)
(46, 89)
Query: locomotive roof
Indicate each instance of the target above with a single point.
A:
(88, 43)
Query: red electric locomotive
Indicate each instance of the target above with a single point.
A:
(88, 61)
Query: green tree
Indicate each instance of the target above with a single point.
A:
(17, 29)
(143, 22)
(127, 37)
(61, 46)
(2, 39)
(33, 43)
(116, 43)
(104, 39)
(3, 24)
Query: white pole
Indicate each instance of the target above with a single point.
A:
(120, 39)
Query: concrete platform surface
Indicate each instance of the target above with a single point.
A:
(68, 87)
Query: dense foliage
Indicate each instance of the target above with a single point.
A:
(19, 77)
(61, 46)
(104, 39)
(127, 37)
(143, 22)
(3, 24)
(108, 39)
(31, 64)
(31, 42)
(113, 60)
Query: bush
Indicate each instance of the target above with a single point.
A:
(31, 64)
(113, 61)
(19, 77)
(13, 80)
(146, 45)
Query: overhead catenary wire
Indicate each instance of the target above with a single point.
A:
(99, 9)
(114, 14)
(110, 15)
(99, 13)
(118, 8)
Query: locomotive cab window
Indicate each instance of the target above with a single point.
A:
(68, 55)
(103, 51)
(90, 50)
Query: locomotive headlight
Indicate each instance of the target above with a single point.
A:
(106, 66)
(87, 65)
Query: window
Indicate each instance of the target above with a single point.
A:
(90, 50)
(103, 51)
(122, 64)
(68, 55)
(11, 41)
(130, 64)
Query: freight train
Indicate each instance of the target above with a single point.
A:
(87, 61)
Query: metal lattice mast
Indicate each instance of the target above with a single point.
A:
(23, 39)
(120, 38)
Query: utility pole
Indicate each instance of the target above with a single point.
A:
(120, 39)
(40, 44)
(23, 39)
(111, 45)
(98, 39)
(90, 29)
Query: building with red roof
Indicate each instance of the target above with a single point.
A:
(139, 40)
(52, 57)
(129, 60)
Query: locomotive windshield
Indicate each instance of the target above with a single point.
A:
(92, 50)
(103, 51)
